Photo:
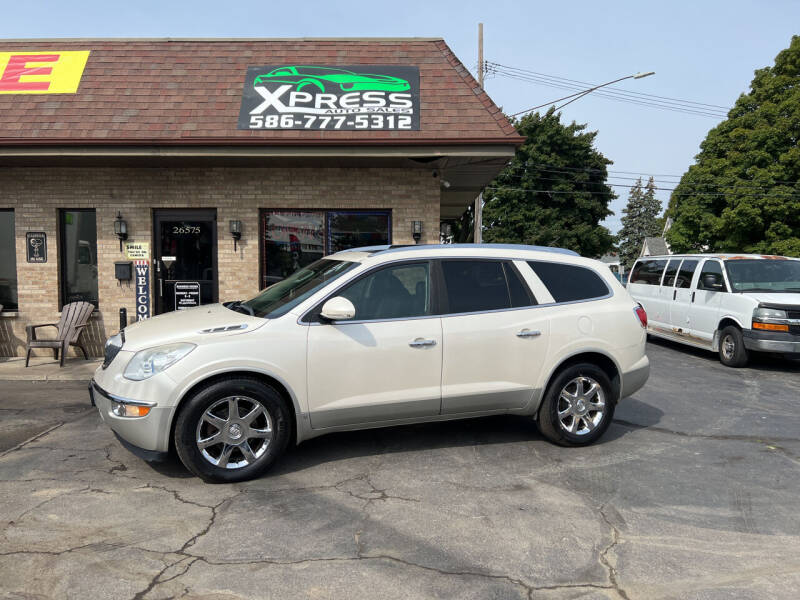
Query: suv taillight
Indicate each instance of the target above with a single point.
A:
(641, 314)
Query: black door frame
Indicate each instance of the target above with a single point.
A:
(166, 214)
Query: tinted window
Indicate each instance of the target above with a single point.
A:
(475, 285)
(78, 256)
(396, 292)
(517, 288)
(568, 283)
(684, 279)
(8, 261)
(713, 268)
(648, 271)
(672, 270)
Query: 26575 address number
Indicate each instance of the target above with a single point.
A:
(378, 121)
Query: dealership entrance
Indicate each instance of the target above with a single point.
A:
(185, 259)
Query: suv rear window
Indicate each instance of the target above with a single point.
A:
(569, 283)
(648, 272)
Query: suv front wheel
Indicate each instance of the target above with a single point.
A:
(232, 430)
(577, 407)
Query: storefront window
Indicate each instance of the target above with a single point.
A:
(355, 229)
(78, 256)
(8, 261)
(294, 239)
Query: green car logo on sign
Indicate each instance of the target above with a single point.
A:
(369, 97)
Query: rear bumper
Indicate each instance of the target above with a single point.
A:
(634, 378)
(771, 341)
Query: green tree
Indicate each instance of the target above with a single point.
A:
(742, 194)
(640, 220)
(553, 193)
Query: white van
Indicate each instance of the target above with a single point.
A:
(727, 303)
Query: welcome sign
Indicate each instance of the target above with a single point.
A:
(351, 97)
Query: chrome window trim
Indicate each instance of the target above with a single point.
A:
(120, 399)
(610, 294)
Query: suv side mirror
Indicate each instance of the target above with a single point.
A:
(338, 308)
(710, 282)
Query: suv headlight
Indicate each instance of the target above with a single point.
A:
(769, 313)
(112, 348)
(147, 363)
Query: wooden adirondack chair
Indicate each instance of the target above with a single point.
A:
(74, 317)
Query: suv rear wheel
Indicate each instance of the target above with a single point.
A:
(577, 407)
(232, 430)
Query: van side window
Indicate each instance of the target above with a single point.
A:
(672, 270)
(684, 279)
(648, 271)
(568, 283)
(713, 268)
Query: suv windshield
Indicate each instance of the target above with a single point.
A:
(764, 275)
(281, 297)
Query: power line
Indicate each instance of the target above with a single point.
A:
(546, 167)
(639, 98)
(613, 96)
(611, 193)
(620, 90)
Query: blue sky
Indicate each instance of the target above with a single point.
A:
(705, 51)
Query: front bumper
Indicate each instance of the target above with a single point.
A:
(148, 434)
(771, 341)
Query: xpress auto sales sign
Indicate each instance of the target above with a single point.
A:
(378, 97)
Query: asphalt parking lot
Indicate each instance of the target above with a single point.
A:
(692, 493)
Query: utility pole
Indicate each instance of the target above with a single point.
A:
(477, 234)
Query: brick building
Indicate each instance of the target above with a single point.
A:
(229, 162)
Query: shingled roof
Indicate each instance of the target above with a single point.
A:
(144, 91)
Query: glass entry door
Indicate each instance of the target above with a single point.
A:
(184, 259)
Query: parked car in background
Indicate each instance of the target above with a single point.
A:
(729, 303)
(375, 337)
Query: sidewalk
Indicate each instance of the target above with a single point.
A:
(46, 369)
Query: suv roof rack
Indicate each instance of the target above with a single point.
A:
(398, 248)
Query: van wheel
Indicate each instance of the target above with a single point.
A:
(732, 352)
(232, 430)
(577, 407)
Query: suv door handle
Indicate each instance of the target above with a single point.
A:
(529, 333)
(674, 293)
(422, 343)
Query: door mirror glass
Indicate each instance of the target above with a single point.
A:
(338, 309)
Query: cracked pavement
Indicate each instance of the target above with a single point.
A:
(692, 494)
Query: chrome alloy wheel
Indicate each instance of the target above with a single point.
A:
(230, 440)
(581, 406)
(728, 346)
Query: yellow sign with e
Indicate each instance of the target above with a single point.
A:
(52, 72)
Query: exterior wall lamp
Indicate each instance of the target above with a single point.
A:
(416, 231)
(120, 229)
(235, 228)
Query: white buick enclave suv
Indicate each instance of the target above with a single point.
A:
(374, 337)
